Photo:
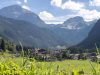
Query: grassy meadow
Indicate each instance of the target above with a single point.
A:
(11, 65)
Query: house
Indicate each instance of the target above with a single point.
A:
(42, 51)
(74, 56)
(93, 57)
(41, 54)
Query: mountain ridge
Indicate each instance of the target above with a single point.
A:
(92, 38)
(16, 30)
(64, 33)
(19, 13)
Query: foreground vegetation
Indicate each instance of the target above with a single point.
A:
(11, 65)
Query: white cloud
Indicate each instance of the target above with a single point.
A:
(89, 15)
(26, 7)
(25, 1)
(95, 2)
(18, 2)
(49, 18)
(56, 3)
(46, 15)
(72, 5)
(23, 5)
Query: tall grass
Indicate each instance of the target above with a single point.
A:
(96, 71)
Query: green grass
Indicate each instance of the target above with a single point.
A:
(10, 65)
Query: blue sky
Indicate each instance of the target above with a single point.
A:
(57, 11)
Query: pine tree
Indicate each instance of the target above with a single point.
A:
(3, 46)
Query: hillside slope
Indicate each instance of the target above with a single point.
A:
(93, 37)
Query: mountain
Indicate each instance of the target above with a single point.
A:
(74, 23)
(19, 13)
(28, 34)
(73, 30)
(93, 37)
